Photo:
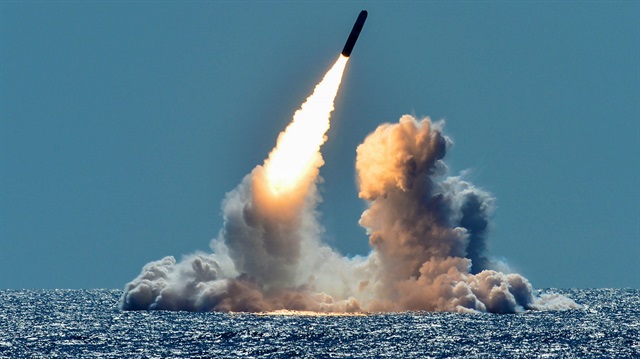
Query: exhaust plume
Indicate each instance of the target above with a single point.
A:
(427, 233)
(296, 159)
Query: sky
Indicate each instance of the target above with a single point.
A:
(124, 124)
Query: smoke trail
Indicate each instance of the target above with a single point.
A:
(268, 254)
(427, 232)
(269, 217)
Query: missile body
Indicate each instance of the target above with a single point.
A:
(355, 32)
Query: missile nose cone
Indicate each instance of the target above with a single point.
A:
(355, 32)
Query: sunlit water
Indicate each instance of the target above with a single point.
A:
(88, 324)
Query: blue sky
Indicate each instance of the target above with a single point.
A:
(123, 125)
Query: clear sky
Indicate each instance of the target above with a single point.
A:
(123, 125)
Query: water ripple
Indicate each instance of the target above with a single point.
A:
(88, 323)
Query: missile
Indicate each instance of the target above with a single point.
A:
(355, 32)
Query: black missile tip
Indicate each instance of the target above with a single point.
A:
(355, 32)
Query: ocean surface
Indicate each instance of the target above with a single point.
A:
(89, 324)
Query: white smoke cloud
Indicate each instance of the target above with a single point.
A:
(427, 233)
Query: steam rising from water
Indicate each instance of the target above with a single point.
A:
(427, 233)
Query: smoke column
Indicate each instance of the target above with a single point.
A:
(268, 254)
(427, 232)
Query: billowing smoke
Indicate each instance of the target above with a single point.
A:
(427, 232)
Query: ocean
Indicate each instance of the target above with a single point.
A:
(89, 324)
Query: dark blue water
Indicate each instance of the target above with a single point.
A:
(88, 324)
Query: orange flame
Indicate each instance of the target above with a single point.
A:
(297, 152)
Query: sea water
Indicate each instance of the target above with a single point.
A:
(89, 324)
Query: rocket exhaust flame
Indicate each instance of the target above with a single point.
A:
(297, 150)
